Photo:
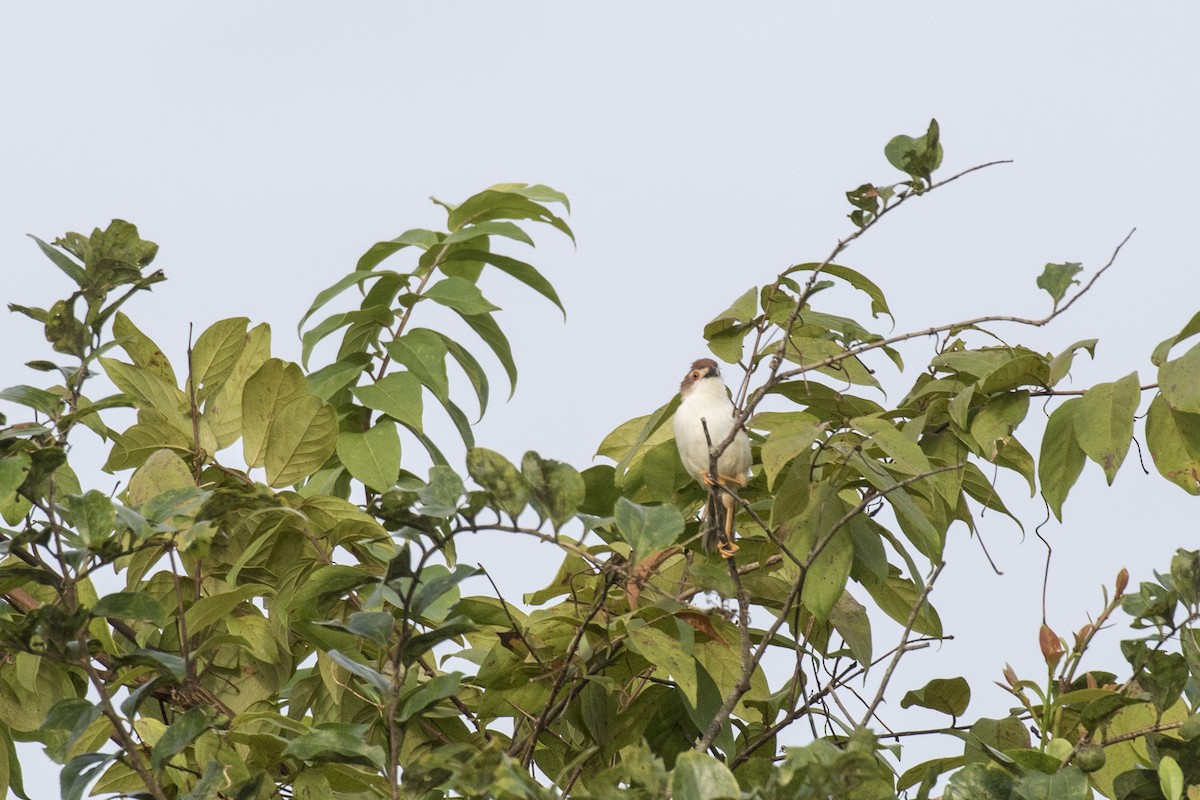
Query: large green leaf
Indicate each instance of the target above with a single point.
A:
(397, 394)
(789, 434)
(150, 390)
(525, 273)
(215, 353)
(1062, 458)
(140, 349)
(301, 436)
(373, 456)
(1104, 422)
(1173, 438)
(424, 353)
(461, 295)
(273, 386)
(162, 471)
(223, 410)
(1179, 381)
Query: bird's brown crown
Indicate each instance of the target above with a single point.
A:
(701, 368)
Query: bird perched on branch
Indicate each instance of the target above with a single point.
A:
(705, 404)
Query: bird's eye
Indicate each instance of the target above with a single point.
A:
(695, 374)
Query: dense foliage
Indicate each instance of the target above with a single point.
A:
(289, 616)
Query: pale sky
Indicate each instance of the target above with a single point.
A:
(704, 147)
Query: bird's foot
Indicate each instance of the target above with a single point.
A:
(727, 548)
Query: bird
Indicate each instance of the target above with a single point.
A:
(704, 403)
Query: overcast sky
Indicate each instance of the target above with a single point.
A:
(704, 148)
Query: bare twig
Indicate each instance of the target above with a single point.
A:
(918, 607)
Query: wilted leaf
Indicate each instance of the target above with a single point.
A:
(1056, 279)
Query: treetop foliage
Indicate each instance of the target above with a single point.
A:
(273, 605)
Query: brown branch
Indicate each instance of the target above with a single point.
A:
(903, 647)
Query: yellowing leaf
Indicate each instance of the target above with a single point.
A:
(302, 435)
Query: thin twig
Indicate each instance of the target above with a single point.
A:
(918, 607)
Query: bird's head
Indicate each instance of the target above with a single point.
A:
(701, 369)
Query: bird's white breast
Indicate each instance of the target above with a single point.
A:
(708, 401)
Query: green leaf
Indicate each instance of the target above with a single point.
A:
(38, 399)
(1173, 439)
(162, 471)
(215, 352)
(216, 778)
(337, 744)
(182, 732)
(418, 237)
(207, 611)
(1179, 381)
(854, 278)
(300, 438)
(424, 353)
(93, 516)
(372, 457)
(558, 489)
(223, 410)
(80, 771)
(441, 496)
(789, 434)
(141, 350)
(647, 529)
(496, 203)
(1104, 423)
(1069, 783)
(268, 390)
(1170, 778)
(897, 597)
(461, 295)
(487, 330)
(397, 394)
(525, 273)
(918, 157)
(994, 424)
(473, 370)
(150, 389)
(1061, 365)
(435, 689)
(1164, 347)
(333, 378)
(947, 695)
(631, 440)
(355, 278)
(979, 782)
(61, 260)
(496, 474)
(849, 618)
(1056, 279)
(130, 605)
(1062, 458)
(13, 469)
(378, 626)
(699, 776)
